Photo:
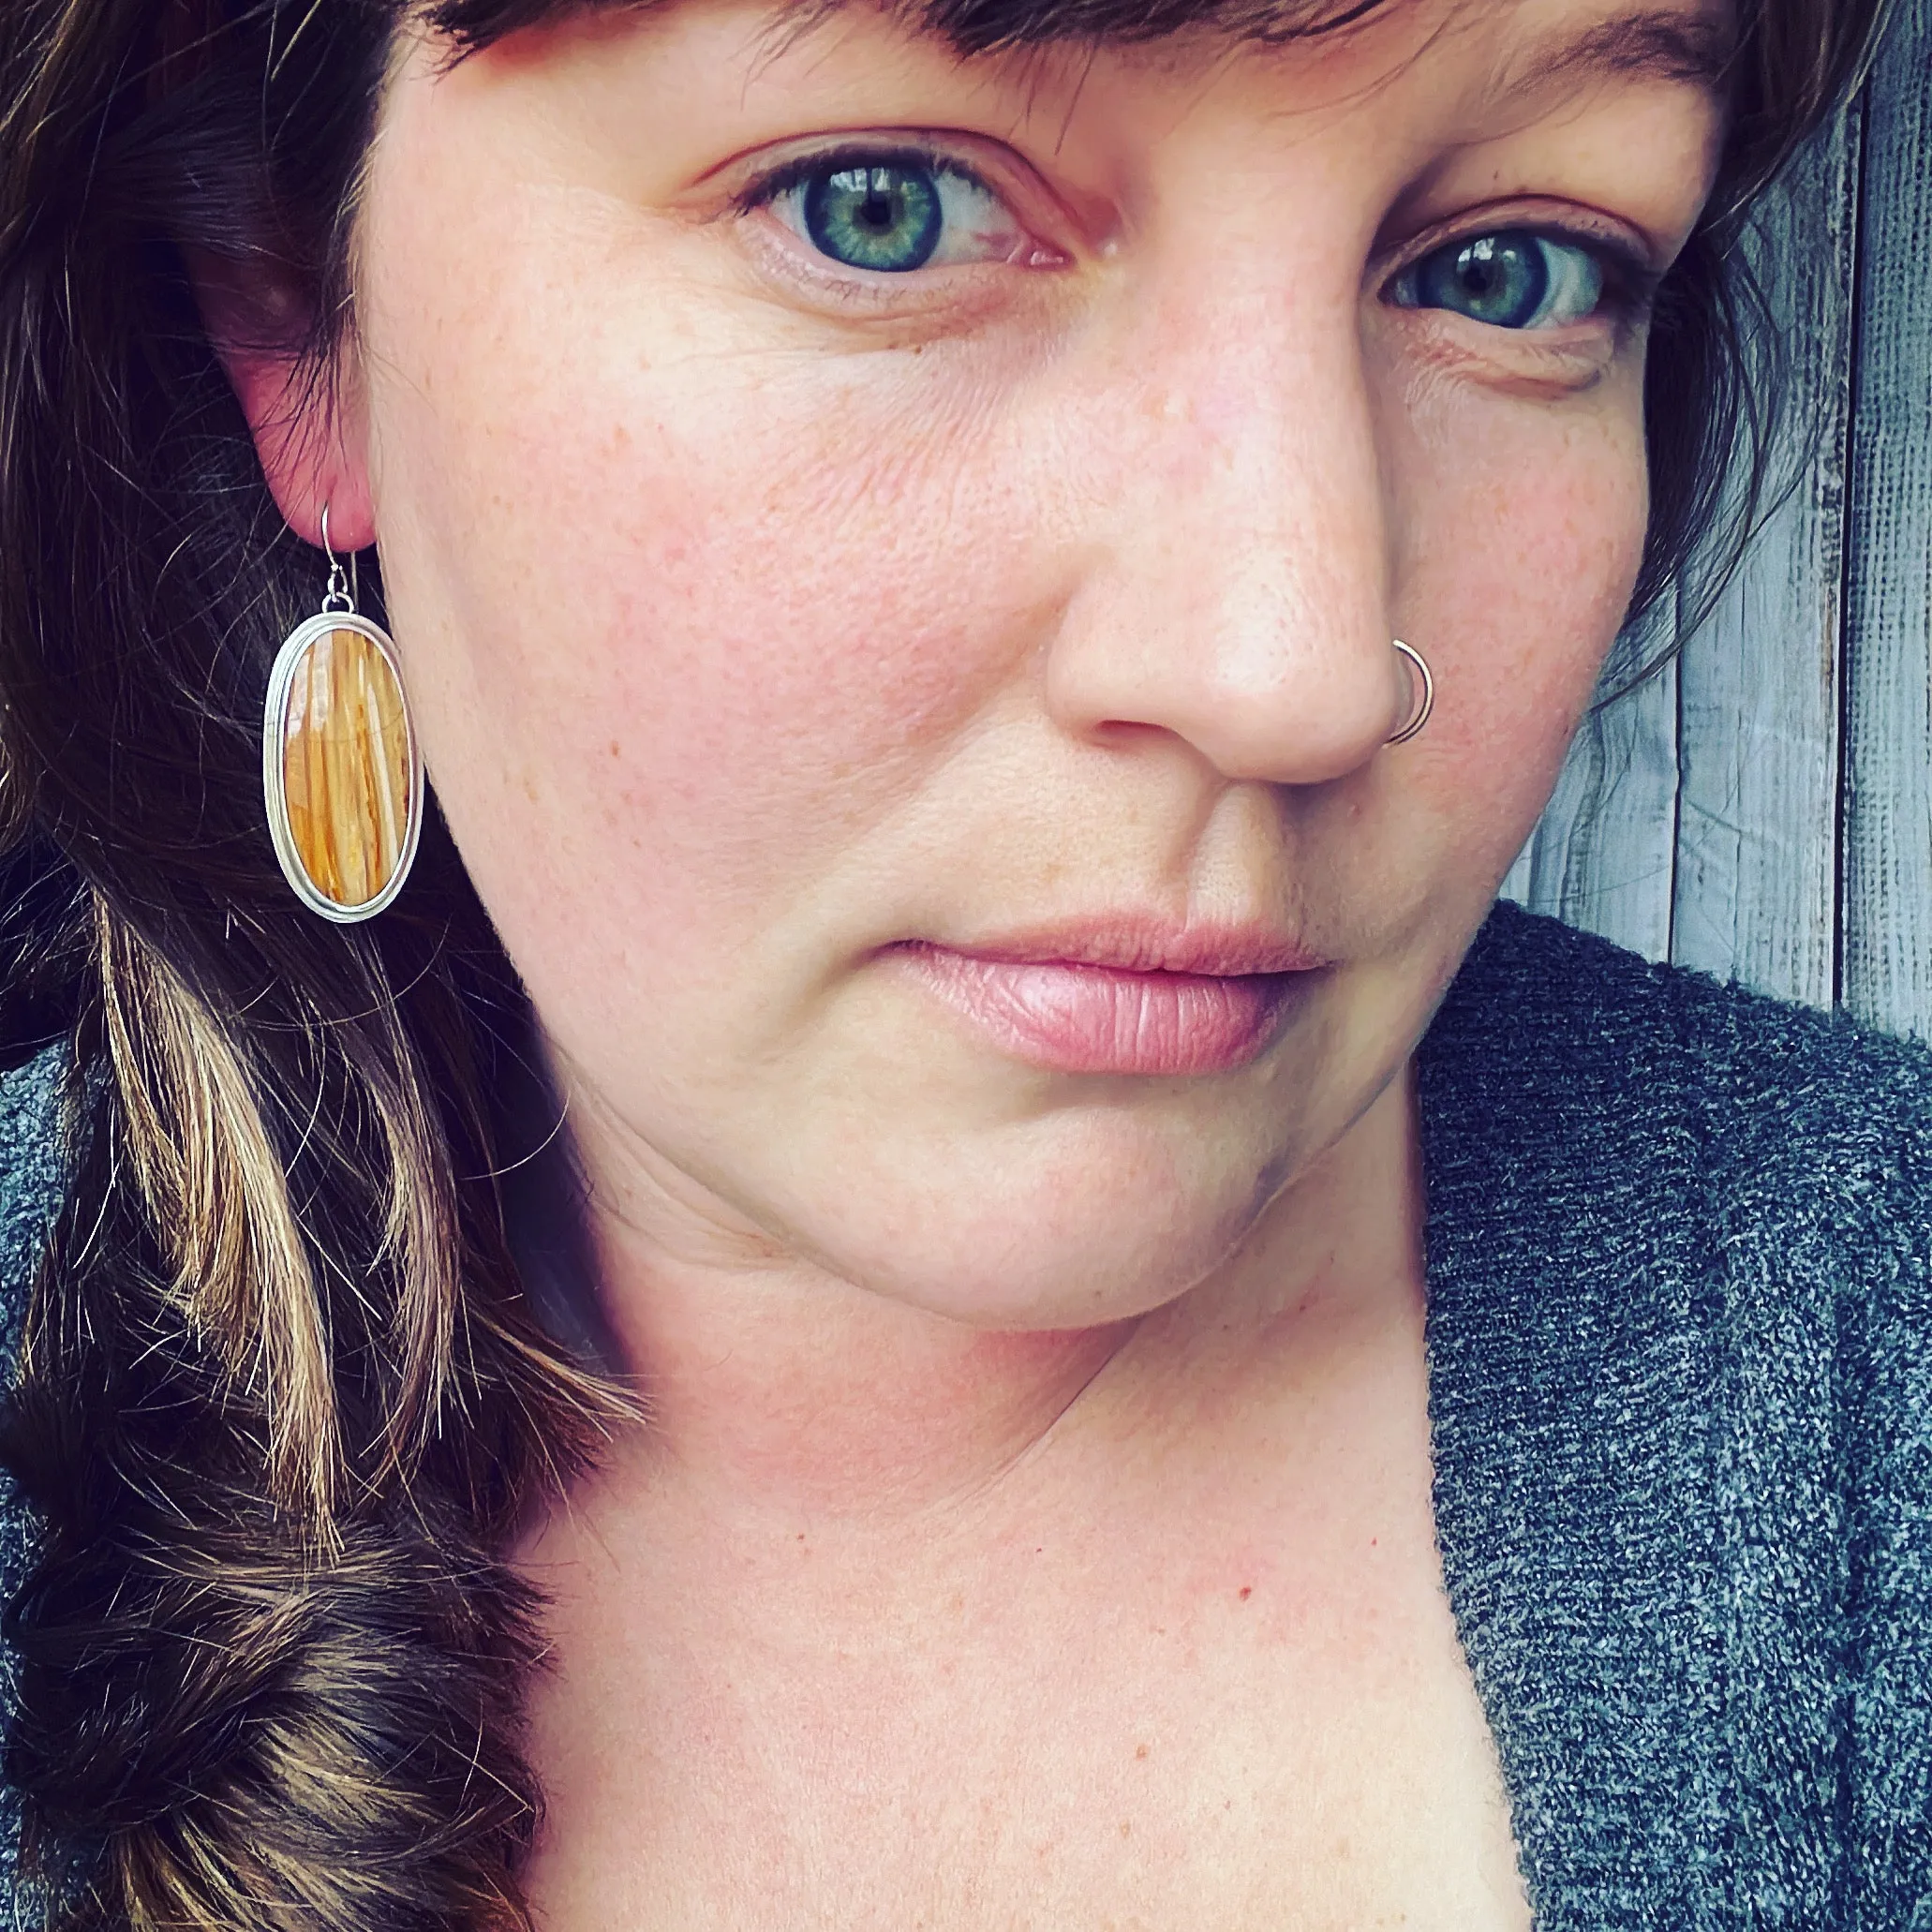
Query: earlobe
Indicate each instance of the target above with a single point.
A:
(309, 431)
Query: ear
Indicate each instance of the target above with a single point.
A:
(311, 436)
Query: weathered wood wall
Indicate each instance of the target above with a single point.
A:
(1762, 808)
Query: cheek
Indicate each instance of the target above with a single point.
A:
(676, 603)
(1521, 529)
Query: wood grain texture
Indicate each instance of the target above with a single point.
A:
(1705, 827)
(1756, 890)
(1887, 944)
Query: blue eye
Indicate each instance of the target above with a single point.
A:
(891, 214)
(1511, 279)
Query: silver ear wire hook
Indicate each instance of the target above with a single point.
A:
(339, 595)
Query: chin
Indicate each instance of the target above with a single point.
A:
(1053, 1255)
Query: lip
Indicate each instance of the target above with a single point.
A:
(1121, 999)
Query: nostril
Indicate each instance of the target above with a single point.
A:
(1124, 733)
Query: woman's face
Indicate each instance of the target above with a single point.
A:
(883, 543)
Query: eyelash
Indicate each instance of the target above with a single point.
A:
(1629, 282)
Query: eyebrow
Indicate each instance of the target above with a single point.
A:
(1656, 44)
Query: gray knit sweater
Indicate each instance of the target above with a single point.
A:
(1680, 1333)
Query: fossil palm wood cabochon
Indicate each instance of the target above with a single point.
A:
(343, 783)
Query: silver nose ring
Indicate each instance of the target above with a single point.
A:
(1425, 704)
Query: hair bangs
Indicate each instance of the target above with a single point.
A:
(971, 26)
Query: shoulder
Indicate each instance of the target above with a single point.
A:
(1646, 1122)
(1681, 1326)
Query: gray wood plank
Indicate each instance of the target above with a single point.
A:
(1887, 951)
(1515, 884)
(1755, 890)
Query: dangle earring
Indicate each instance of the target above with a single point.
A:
(340, 769)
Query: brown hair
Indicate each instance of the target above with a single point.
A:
(282, 1396)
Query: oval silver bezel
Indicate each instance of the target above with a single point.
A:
(274, 781)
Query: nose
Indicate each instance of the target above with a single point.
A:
(1234, 587)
